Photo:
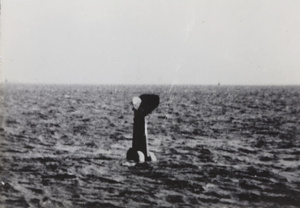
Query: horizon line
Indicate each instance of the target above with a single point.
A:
(139, 84)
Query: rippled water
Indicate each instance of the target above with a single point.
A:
(65, 146)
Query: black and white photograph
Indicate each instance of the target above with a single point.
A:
(150, 103)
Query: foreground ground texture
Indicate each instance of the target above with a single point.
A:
(65, 146)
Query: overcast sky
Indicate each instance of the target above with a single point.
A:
(251, 42)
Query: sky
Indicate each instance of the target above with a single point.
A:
(232, 42)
